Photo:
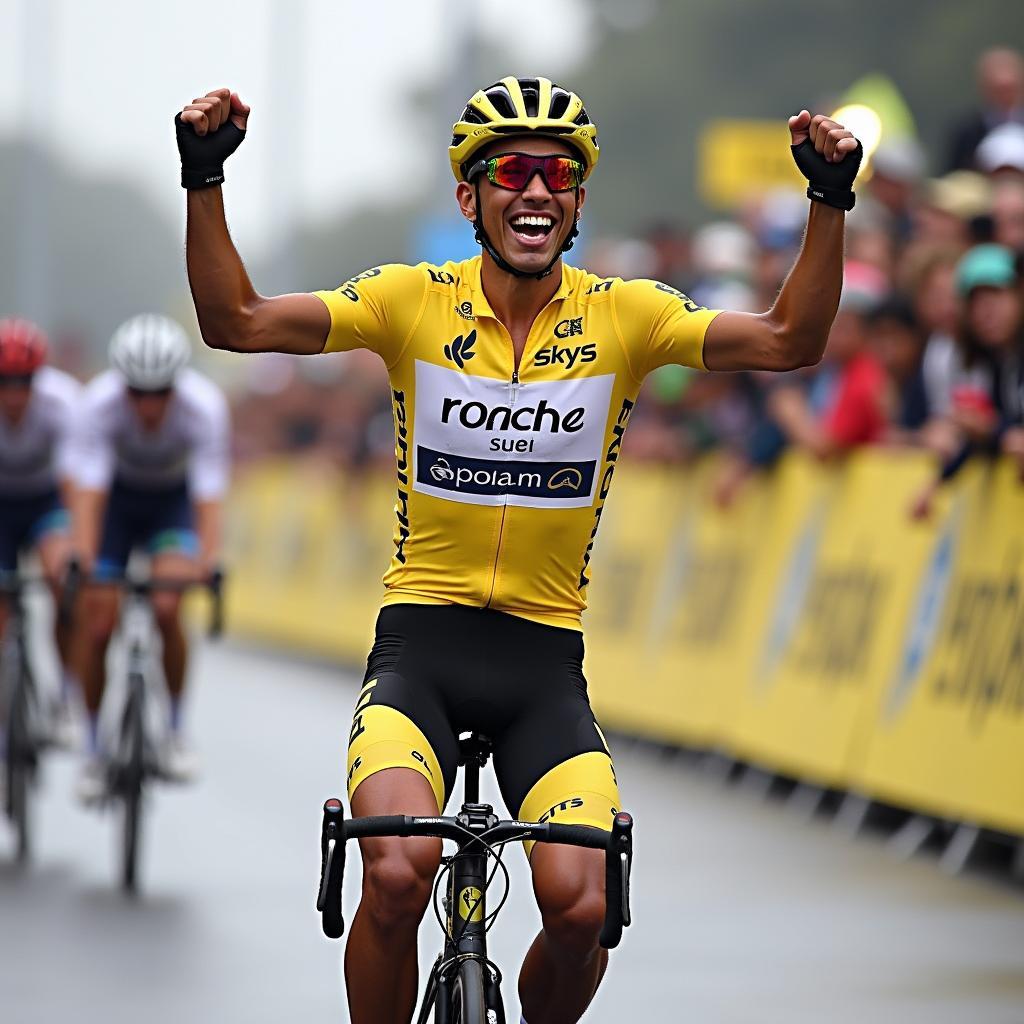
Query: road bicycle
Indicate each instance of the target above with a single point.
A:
(27, 727)
(135, 757)
(464, 986)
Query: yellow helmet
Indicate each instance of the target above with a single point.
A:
(521, 106)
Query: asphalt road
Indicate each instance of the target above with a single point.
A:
(742, 913)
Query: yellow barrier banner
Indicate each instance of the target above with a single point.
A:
(811, 627)
(837, 616)
(947, 733)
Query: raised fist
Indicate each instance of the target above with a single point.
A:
(828, 157)
(209, 130)
(207, 113)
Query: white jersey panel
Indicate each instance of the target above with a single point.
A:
(34, 454)
(491, 442)
(191, 444)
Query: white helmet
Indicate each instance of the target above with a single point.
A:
(149, 350)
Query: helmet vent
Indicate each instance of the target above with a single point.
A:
(582, 117)
(559, 102)
(498, 95)
(530, 88)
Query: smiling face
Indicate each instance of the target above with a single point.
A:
(529, 227)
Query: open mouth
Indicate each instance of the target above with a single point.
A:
(532, 229)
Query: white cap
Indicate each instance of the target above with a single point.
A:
(1002, 147)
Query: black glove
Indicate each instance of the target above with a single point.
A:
(203, 156)
(830, 183)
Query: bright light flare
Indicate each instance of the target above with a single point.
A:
(865, 124)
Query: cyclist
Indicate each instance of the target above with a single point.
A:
(37, 404)
(150, 471)
(512, 376)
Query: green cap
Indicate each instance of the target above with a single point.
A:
(986, 266)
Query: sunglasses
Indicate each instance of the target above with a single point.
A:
(515, 170)
(15, 380)
(150, 392)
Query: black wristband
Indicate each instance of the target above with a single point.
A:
(840, 198)
(202, 157)
(206, 178)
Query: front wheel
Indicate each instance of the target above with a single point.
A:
(468, 1003)
(131, 773)
(20, 764)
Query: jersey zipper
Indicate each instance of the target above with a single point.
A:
(513, 389)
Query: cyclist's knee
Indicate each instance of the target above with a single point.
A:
(570, 893)
(575, 927)
(166, 610)
(398, 878)
(100, 620)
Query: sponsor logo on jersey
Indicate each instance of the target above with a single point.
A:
(572, 804)
(465, 310)
(611, 459)
(461, 349)
(571, 328)
(600, 286)
(566, 478)
(402, 460)
(558, 355)
(688, 304)
(487, 441)
(348, 289)
(442, 276)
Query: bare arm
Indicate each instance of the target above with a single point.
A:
(232, 315)
(209, 528)
(87, 509)
(794, 331)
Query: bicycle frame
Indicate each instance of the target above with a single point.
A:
(24, 739)
(475, 830)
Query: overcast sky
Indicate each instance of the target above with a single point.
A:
(98, 82)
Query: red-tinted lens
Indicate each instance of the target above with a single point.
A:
(514, 171)
(562, 173)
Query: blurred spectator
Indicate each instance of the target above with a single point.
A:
(1001, 152)
(1008, 214)
(984, 404)
(949, 206)
(669, 246)
(897, 172)
(1001, 88)
(844, 404)
(724, 255)
(898, 343)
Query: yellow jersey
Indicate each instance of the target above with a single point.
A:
(503, 471)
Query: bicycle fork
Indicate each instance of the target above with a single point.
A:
(466, 918)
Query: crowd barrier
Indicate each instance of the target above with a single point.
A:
(812, 627)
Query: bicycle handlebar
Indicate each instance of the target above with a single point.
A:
(617, 844)
(214, 583)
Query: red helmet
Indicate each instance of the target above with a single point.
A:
(23, 347)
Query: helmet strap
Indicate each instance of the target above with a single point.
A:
(503, 264)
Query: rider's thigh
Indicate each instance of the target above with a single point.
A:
(568, 882)
(99, 614)
(398, 873)
(54, 550)
(173, 565)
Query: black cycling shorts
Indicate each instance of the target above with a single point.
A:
(436, 671)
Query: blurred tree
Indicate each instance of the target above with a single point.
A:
(651, 87)
(109, 254)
